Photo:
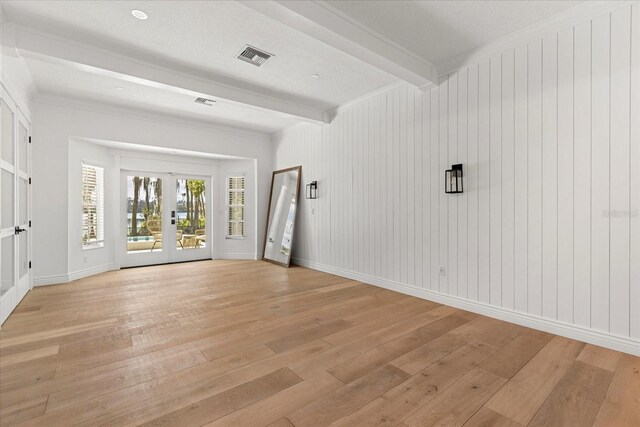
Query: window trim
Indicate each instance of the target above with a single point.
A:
(227, 190)
(100, 222)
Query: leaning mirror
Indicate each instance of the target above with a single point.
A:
(281, 218)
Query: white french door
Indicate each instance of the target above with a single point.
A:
(165, 218)
(15, 264)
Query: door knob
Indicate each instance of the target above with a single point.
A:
(19, 230)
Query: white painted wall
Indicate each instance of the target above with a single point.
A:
(547, 232)
(16, 77)
(84, 262)
(249, 247)
(2, 24)
(58, 121)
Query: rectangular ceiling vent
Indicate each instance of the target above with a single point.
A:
(254, 56)
(205, 101)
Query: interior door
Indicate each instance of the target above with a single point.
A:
(15, 277)
(165, 218)
(23, 203)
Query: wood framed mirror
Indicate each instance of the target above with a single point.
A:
(281, 215)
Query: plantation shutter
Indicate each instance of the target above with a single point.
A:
(92, 205)
(235, 206)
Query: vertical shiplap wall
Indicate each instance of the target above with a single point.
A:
(549, 223)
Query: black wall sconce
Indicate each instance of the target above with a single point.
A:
(312, 190)
(453, 179)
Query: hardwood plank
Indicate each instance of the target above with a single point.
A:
(487, 418)
(341, 354)
(55, 333)
(28, 355)
(360, 365)
(423, 356)
(27, 373)
(621, 404)
(493, 332)
(282, 422)
(105, 379)
(184, 387)
(523, 395)
(250, 343)
(101, 382)
(147, 400)
(576, 399)
(24, 411)
(383, 318)
(294, 340)
(459, 402)
(349, 398)
(600, 357)
(26, 309)
(394, 405)
(224, 403)
(280, 404)
(516, 353)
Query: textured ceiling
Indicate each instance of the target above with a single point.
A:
(207, 36)
(63, 81)
(443, 30)
(203, 38)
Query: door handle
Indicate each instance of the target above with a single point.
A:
(19, 230)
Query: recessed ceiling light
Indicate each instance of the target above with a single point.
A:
(139, 14)
(120, 88)
(315, 76)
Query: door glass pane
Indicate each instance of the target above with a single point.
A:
(7, 132)
(6, 254)
(144, 214)
(190, 214)
(23, 145)
(23, 249)
(7, 199)
(23, 196)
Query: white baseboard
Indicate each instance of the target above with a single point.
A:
(90, 271)
(603, 339)
(248, 255)
(75, 275)
(50, 280)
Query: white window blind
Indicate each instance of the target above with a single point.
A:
(92, 206)
(235, 207)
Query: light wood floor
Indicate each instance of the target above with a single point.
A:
(249, 343)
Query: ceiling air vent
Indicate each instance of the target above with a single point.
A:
(254, 56)
(205, 101)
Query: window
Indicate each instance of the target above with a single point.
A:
(235, 207)
(92, 206)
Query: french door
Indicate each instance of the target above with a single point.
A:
(165, 218)
(15, 273)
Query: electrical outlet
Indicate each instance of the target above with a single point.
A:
(443, 270)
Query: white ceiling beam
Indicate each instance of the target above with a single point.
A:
(325, 23)
(99, 61)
